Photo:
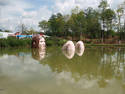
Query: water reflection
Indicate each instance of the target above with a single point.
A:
(38, 54)
(68, 53)
(102, 66)
(68, 49)
(100, 70)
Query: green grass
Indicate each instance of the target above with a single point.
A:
(14, 42)
(55, 41)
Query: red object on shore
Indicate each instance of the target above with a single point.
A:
(41, 34)
(17, 33)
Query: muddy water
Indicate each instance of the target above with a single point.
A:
(99, 70)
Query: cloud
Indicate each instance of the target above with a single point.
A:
(10, 13)
(32, 18)
(115, 3)
(30, 12)
(4, 2)
(14, 13)
(65, 6)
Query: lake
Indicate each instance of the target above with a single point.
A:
(100, 70)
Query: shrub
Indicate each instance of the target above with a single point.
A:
(55, 41)
(14, 42)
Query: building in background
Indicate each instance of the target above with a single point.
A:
(6, 34)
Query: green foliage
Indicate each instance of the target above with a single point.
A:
(111, 33)
(93, 25)
(22, 28)
(31, 31)
(103, 5)
(56, 24)
(4, 30)
(14, 42)
(85, 24)
(7, 31)
(55, 41)
(44, 25)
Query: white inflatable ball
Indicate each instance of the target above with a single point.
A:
(80, 48)
(69, 49)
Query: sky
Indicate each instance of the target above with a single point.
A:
(30, 12)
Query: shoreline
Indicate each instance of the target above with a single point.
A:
(107, 45)
(86, 45)
(26, 43)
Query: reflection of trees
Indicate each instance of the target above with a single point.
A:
(115, 61)
(59, 63)
(102, 64)
(112, 63)
(87, 64)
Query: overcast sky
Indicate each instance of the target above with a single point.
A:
(30, 12)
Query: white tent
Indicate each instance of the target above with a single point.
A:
(5, 34)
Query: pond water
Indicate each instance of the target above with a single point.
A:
(100, 70)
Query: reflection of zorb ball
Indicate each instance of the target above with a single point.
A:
(69, 49)
(79, 48)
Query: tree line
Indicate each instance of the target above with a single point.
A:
(101, 23)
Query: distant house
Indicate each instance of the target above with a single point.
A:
(17, 33)
(6, 34)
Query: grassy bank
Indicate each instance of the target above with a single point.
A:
(12, 42)
(55, 41)
(60, 42)
(107, 45)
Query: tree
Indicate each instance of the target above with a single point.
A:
(77, 23)
(0, 30)
(7, 31)
(120, 12)
(90, 23)
(93, 25)
(31, 31)
(60, 23)
(103, 6)
(122, 5)
(56, 24)
(81, 24)
(44, 25)
(4, 30)
(108, 15)
(22, 28)
(76, 10)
